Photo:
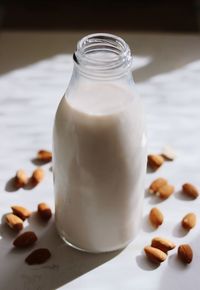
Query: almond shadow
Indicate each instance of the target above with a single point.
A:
(179, 231)
(145, 264)
(11, 186)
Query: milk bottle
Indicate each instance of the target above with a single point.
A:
(99, 149)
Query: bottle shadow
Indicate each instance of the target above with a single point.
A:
(65, 264)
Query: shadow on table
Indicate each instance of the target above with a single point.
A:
(177, 275)
(65, 265)
(30, 48)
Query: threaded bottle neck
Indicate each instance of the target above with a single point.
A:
(103, 55)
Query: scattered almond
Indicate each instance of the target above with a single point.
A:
(44, 211)
(190, 190)
(25, 240)
(38, 256)
(37, 175)
(155, 161)
(165, 191)
(168, 153)
(156, 184)
(156, 217)
(155, 255)
(21, 211)
(189, 221)
(44, 155)
(162, 244)
(21, 178)
(14, 222)
(185, 253)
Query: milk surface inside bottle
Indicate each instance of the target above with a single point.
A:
(99, 149)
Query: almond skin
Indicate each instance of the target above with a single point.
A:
(155, 161)
(38, 256)
(21, 211)
(37, 176)
(21, 178)
(156, 184)
(25, 240)
(156, 217)
(190, 190)
(185, 253)
(162, 244)
(44, 211)
(44, 155)
(189, 221)
(14, 222)
(165, 191)
(155, 255)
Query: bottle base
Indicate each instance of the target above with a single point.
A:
(91, 251)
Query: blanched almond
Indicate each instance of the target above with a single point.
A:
(189, 221)
(21, 178)
(38, 256)
(44, 155)
(190, 190)
(165, 191)
(156, 184)
(38, 175)
(162, 244)
(21, 211)
(155, 161)
(156, 217)
(155, 255)
(185, 253)
(25, 240)
(168, 153)
(14, 222)
(44, 211)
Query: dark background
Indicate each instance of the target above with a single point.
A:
(135, 15)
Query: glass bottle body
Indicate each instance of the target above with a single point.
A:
(99, 162)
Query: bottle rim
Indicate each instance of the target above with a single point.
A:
(103, 55)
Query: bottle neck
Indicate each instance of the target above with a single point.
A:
(102, 56)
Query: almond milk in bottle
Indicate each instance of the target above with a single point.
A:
(99, 149)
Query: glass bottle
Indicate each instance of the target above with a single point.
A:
(99, 149)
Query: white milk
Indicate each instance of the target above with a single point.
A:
(99, 167)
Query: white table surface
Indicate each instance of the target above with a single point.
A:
(34, 72)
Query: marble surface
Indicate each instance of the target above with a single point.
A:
(34, 72)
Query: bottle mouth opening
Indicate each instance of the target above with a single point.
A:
(102, 53)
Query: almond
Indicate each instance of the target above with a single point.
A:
(44, 211)
(156, 217)
(165, 191)
(155, 161)
(162, 244)
(38, 256)
(21, 211)
(190, 190)
(44, 155)
(25, 240)
(155, 255)
(21, 178)
(14, 222)
(185, 253)
(189, 221)
(37, 175)
(168, 153)
(156, 184)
